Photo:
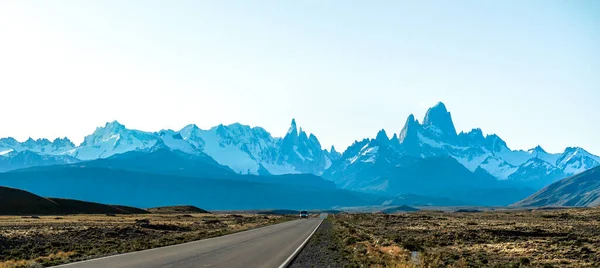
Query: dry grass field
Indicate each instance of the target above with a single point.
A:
(538, 238)
(51, 240)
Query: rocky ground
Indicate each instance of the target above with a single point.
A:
(51, 240)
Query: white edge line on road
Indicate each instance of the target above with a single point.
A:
(289, 260)
(170, 246)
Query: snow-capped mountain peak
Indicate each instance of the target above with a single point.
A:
(576, 160)
(41, 146)
(252, 150)
(113, 138)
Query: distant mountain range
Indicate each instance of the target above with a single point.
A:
(428, 158)
(437, 137)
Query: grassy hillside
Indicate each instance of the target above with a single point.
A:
(19, 202)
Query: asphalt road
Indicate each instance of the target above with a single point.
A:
(268, 246)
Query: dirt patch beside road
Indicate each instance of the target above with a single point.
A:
(323, 250)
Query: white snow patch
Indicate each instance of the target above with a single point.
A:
(371, 159)
(327, 163)
(574, 168)
(370, 151)
(3, 153)
(297, 153)
(280, 169)
(430, 142)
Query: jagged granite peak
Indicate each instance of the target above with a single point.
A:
(409, 136)
(63, 143)
(439, 117)
(474, 137)
(9, 142)
(495, 144)
(410, 128)
(382, 137)
(31, 143)
(395, 140)
(537, 150)
(191, 134)
(302, 152)
(476, 133)
(332, 150)
(293, 128)
(313, 139)
(333, 154)
(114, 126)
(302, 135)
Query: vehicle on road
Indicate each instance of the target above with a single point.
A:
(304, 214)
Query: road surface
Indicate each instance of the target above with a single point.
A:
(268, 246)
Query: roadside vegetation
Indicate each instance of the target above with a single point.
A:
(41, 241)
(536, 238)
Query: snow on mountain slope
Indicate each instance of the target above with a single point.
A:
(497, 167)
(25, 159)
(248, 150)
(174, 141)
(225, 150)
(301, 150)
(113, 139)
(577, 160)
(10, 144)
(5, 151)
(537, 173)
(41, 146)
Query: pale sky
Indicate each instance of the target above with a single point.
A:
(528, 71)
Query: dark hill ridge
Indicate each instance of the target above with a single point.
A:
(177, 210)
(18, 202)
(581, 190)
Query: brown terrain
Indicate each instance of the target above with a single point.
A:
(525, 238)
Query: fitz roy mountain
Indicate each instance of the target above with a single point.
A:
(390, 165)
(428, 158)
